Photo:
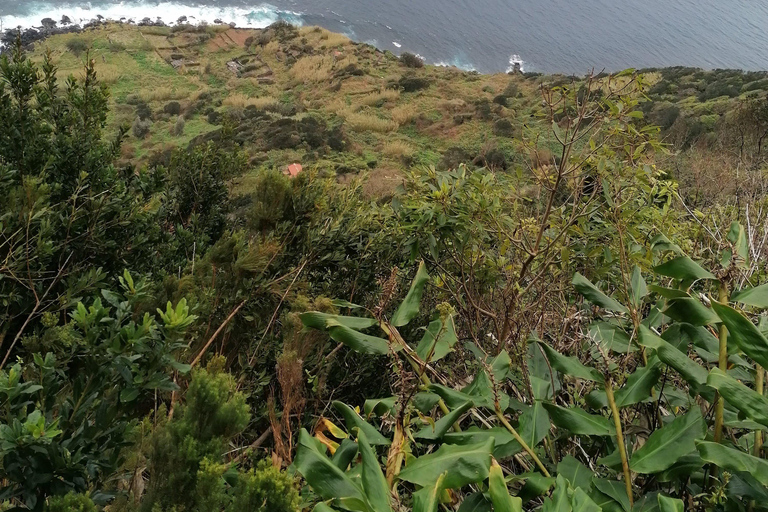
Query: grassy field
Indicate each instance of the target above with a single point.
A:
(280, 87)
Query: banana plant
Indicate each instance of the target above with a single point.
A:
(698, 365)
(462, 451)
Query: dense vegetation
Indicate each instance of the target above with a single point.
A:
(482, 293)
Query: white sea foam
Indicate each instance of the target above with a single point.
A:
(456, 63)
(516, 61)
(259, 16)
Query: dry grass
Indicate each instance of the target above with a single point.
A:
(398, 149)
(381, 183)
(378, 98)
(242, 101)
(403, 114)
(368, 122)
(163, 94)
(332, 40)
(315, 68)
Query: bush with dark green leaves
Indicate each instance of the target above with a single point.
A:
(413, 83)
(66, 209)
(67, 410)
(410, 60)
(173, 108)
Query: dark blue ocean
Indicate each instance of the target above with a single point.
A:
(569, 36)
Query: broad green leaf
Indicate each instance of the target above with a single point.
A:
(661, 243)
(481, 392)
(438, 340)
(595, 296)
(535, 485)
(743, 333)
(757, 296)
(693, 373)
(669, 293)
(374, 483)
(497, 488)
(379, 406)
(570, 366)
(668, 444)
(317, 320)
(424, 401)
(639, 288)
(322, 507)
(505, 444)
(579, 421)
(475, 502)
(341, 303)
(442, 425)
(611, 337)
(428, 498)
(581, 502)
(453, 398)
(670, 504)
(544, 381)
(733, 460)
(750, 402)
(690, 310)
(559, 501)
(534, 424)
(684, 467)
(638, 386)
(576, 473)
(354, 420)
(462, 465)
(647, 503)
(357, 341)
(129, 394)
(739, 247)
(683, 268)
(409, 308)
(615, 489)
(327, 480)
(344, 454)
(606, 503)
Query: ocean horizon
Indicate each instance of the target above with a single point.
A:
(565, 36)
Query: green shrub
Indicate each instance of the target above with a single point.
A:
(77, 45)
(141, 127)
(413, 83)
(271, 200)
(173, 108)
(503, 128)
(500, 100)
(213, 413)
(178, 127)
(410, 60)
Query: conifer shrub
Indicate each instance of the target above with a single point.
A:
(187, 446)
(271, 200)
(71, 502)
